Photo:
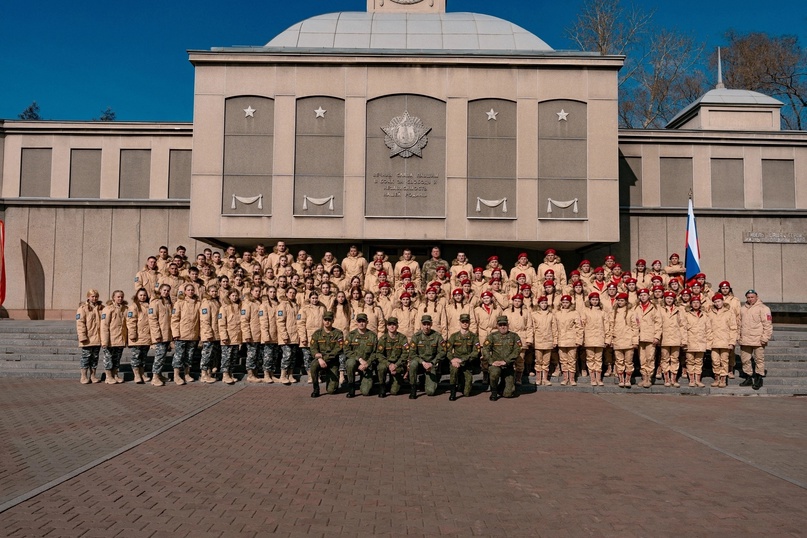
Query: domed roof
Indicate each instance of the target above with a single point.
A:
(729, 98)
(386, 32)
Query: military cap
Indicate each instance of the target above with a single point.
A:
(361, 317)
(327, 316)
(392, 320)
(502, 320)
(426, 319)
(465, 318)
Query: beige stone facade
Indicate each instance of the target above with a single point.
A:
(484, 141)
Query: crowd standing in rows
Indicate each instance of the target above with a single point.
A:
(389, 323)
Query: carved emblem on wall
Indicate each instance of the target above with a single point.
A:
(406, 136)
(247, 200)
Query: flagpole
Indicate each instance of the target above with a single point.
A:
(693, 251)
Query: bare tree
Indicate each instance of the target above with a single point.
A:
(107, 115)
(665, 83)
(31, 112)
(773, 65)
(659, 76)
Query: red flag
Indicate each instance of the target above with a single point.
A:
(2, 262)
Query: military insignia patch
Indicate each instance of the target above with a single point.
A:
(279, 313)
(220, 316)
(137, 279)
(299, 316)
(151, 310)
(406, 136)
(204, 311)
(243, 312)
(173, 310)
(78, 316)
(130, 314)
(103, 316)
(260, 313)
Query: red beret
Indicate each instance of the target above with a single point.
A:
(487, 293)
(459, 275)
(520, 275)
(432, 288)
(549, 283)
(465, 281)
(566, 298)
(494, 279)
(525, 287)
(494, 257)
(687, 291)
(383, 284)
(617, 265)
(658, 278)
(621, 295)
(574, 272)
(436, 284)
(696, 298)
(599, 270)
(724, 283)
(593, 294)
(382, 273)
(443, 267)
(674, 255)
(655, 262)
(543, 299)
(584, 262)
(522, 255)
(630, 280)
(405, 294)
(611, 285)
(518, 296)
(669, 294)
(406, 270)
(578, 283)
(658, 288)
(550, 251)
(456, 291)
(644, 290)
(641, 262)
(610, 257)
(478, 270)
(717, 296)
(700, 275)
(410, 285)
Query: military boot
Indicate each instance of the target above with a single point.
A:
(453, 395)
(757, 382)
(493, 395)
(251, 377)
(178, 376)
(747, 382)
(211, 378)
(110, 379)
(85, 379)
(315, 391)
(94, 378)
(291, 377)
(158, 380)
(188, 377)
(118, 378)
(351, 389)
(413, 391)
(382, 390)
(267, 377)
(227, 378)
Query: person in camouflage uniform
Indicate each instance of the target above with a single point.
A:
(502, 348)
(426, 351)
(326, 346)
(360, 350)
(462, 348)
(391, 355)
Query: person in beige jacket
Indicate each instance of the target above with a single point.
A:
(88, 328)
(354, 264)
(309, 322)
(185, 329)
(229, 320)
(756, 329)
(570, 336)
(148, 277)
(454, 309)
(595, 336)
(251, 330)
(520, 321)
(113, 336)
(697, 339)
(672, 336)
(552, 261)
(268, 321)
(287, 335)
(735, 305)
(160, 324)
(434, 307)
(545, 340)
(139, 333)
(484, 320)
(407, 316)
(624, 339)
(523, 266)
(209, 334)
(648, 320)
(724, 338)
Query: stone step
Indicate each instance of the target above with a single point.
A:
(776, 343)
(40, 350)
(38, 342)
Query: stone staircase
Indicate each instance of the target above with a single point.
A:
(50, 349)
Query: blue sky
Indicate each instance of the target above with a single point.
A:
(77, 58)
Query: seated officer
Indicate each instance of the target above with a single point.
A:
(426, 351)
(360, 349)
(501, 349)
(462, 349)
(392, 354)
(326, 346)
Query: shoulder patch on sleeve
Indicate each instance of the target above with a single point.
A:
(173, 310)
(130, 314)
(299, 316)
(78, 316)
(260, 313)
(103, 316)
(137, 279)
(204, 311)
(243, 312)
(151, 310)
(220, 316)
(279, 313)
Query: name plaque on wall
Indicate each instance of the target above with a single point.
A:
(775, 237)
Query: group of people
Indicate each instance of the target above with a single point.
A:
(389, 323)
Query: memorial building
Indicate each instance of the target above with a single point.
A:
(404, 126)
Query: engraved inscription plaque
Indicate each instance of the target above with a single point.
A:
(405, 174)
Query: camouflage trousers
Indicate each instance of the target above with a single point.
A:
(270, 352)
(112, 357)
(89, 357)
(227, 355)
(160, 351)
(306, 358)
(183, 353)
(397, 378)
(139, 356)
(254, 352)
(462, 378)
(331, 374)
(289, 356)
(211, 354)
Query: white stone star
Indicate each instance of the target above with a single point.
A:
(562, 115)
(249, 112)
(320, 113)
(492, 115)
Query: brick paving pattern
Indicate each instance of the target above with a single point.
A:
(270, 459)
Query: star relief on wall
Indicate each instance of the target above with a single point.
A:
(562, 115)
(249, 112)
(320, 113)
(492, 115)
(406, 136)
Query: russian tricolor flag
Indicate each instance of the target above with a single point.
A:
(693, 254)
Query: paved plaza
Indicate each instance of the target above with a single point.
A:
(133, 460)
